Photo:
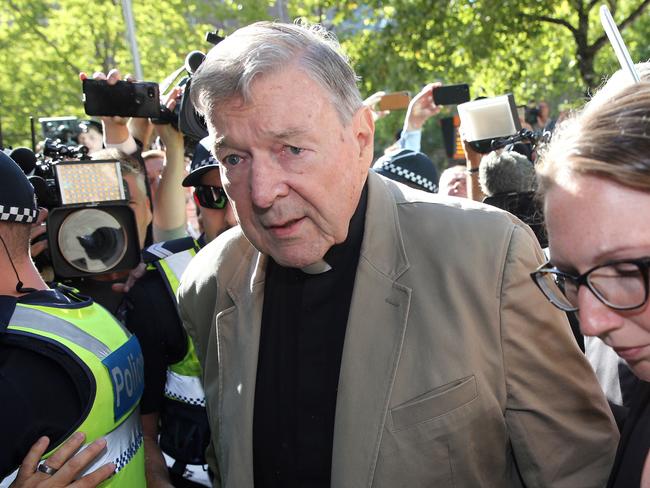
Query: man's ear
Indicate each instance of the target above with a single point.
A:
(364, 127)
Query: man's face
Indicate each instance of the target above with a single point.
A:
(214, 220)
(92, 139)
(292, 171)
(139, 203)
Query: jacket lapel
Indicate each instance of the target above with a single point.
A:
(238, 333)
(373, 342)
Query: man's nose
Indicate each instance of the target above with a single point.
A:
(596, 318)
(267, 181)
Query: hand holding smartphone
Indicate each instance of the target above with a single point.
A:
(124, 98)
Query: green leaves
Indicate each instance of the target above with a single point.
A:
(541, 49)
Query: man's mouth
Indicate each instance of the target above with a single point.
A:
(284, 229)
(630, 353)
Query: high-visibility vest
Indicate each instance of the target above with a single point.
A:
(183, 387)
(183, 378)
(102, 346)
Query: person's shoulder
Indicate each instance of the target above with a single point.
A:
(219, 259)
(434, 208)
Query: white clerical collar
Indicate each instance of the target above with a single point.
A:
(316, 268)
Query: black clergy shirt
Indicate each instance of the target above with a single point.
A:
(304, 319)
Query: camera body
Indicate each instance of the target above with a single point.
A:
(531, 114)
(124, 98)
(184, 118)
(91, 229)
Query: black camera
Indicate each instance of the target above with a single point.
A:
(184, 118)
(90, 227)
(531, 114)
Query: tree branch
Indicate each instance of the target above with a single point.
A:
(35, 28)
(592, 4)
(553, 20)
(598, 43)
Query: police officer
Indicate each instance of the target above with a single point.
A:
(66, 365)
(173, 403)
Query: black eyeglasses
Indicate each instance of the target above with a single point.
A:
(621, 285)
(210, 197)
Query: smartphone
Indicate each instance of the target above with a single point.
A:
(395, 101)
(126, 99)
(451, 94)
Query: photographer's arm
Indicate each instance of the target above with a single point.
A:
(141, 129)
(154, 462)
(169, 200)
(472, 161)
(421, 109)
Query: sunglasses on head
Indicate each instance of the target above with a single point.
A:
(210, 197)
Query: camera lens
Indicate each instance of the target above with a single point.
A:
(92, 240)
(151, 93)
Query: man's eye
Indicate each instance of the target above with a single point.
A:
(232, 159)
(296, 151)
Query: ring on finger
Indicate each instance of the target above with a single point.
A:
(44, 468)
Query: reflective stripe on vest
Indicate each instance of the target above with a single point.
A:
(186, 389)
(122, 444)
(95, 339)
(183, 383)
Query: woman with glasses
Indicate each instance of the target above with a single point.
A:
(595, 182)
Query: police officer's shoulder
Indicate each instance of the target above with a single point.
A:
(58, 296)
(161, 250)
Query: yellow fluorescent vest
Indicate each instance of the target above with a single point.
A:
(99, 342)
(183, 378)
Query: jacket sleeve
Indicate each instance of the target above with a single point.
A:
(560, 426)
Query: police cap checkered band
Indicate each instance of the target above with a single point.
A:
(17, 200)
(409, 167)
(202, 162)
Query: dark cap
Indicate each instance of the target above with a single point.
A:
(85, 125)
(202, 162)
(17, 200)
(410, 167)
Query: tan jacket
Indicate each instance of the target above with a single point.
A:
(455, 370)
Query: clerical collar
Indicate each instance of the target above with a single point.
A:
(316, 268)
(340, 253)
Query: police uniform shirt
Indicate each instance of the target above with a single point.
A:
(151, 315)
(39, 394)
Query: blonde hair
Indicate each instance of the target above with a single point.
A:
(610, 138)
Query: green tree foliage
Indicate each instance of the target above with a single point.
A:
(44, 44)
(543, 49)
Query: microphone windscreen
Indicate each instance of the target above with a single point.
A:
(193, 60)
(25, 158)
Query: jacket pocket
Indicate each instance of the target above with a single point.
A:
(434, 403)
